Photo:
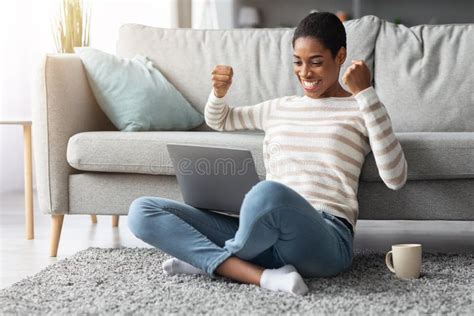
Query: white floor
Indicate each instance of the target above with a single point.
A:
(20, 257)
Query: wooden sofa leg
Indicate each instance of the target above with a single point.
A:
(56, 226)
(94, 219)
(115, 220)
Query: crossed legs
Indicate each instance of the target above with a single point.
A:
(277, 228)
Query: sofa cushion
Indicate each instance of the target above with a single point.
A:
(146, 153)
(262, 59)
(135, 95)
(423, 75)
(361, 36)
(429, 155)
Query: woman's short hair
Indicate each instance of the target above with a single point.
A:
(325, 27)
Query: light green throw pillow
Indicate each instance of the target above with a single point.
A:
(134, 94)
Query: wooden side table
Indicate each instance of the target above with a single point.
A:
(27, 172)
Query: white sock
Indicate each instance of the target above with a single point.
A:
(175, 266)
(287, 268)
(285, 279)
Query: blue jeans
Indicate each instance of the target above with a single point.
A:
(277, 226)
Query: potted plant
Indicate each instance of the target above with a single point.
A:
(71, 26)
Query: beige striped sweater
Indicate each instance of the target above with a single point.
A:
(318, 146)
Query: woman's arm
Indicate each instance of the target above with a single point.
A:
(385, 146)
(222, 117)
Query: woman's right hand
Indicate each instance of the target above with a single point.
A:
(221, 80)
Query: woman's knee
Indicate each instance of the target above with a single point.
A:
(268, 186)
(268, 194)
(138, 215)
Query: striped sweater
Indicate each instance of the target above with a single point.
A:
(317, 146)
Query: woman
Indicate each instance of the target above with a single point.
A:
(299, 221)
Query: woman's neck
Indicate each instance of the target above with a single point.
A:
(336, 91)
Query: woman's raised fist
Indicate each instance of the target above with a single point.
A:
(221, 79)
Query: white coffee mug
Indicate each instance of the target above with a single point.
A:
(406, 260)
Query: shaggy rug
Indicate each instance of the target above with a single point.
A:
(130, 281)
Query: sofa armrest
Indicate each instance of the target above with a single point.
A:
(63, 105)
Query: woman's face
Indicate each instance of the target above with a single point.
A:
(316, 69)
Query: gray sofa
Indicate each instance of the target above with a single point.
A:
(423, 75)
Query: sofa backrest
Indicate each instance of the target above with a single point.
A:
(425, 76)
(261, 58)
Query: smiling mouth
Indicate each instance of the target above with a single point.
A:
(311, 85)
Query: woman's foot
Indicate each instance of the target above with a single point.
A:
(285, 279)
(175, 266)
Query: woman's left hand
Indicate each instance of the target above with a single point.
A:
(357, 77)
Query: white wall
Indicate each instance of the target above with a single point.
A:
(214, 14)
(108, 15)
(25, 35)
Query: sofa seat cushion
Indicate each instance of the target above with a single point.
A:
(443, 155)
(429, 155)
(146, 153)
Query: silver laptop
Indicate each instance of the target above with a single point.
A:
(213, 178)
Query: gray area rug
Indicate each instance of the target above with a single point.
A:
(130, 281)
